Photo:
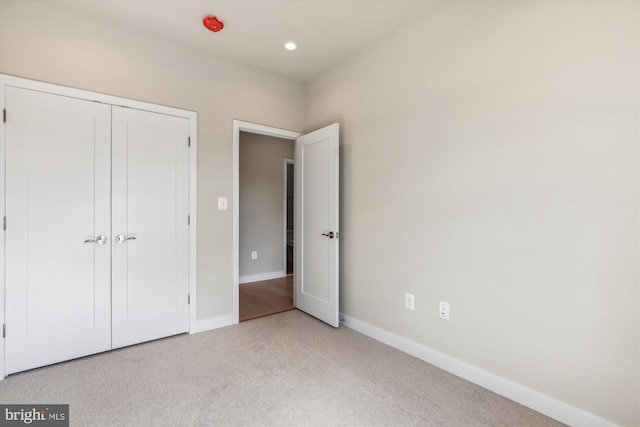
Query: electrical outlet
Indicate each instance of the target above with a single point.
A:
(443, 311)
(409, 301)
(254, 255)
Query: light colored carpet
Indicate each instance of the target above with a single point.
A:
(283, 370)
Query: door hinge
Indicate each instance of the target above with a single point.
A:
(189, 299)
(188, 219)
(4, 330)
(189, 142)
(4, 115)
(4, 223)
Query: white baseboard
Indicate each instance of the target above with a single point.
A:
(212, 323)
(262, 276)
(539, 402)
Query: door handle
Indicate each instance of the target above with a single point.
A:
(330, 234)
(101, 240)
(121, 238)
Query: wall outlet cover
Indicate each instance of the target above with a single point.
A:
(409, 301)
(443, 310)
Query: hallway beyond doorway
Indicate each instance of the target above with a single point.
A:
(266, 297)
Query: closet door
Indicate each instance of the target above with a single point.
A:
(58, 295)
(150, 230)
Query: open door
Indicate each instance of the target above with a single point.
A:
(317, 224)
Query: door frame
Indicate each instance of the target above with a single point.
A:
(192, 116)
(241, 126)
(285, 231)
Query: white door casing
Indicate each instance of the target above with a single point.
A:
(150, 226)
(58, 297)
(317, 229)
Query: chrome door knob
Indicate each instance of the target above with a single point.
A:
(121, 238)
(101, 240)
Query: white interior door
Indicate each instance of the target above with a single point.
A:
(58, 298)
(150, 226)
(317, 224)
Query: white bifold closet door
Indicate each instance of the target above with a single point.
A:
(150, 226)
(58, 171)
(75, 277)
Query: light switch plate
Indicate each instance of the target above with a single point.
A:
(222, 203)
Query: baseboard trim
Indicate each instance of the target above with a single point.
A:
(262, 276)
(546, 405)
(203, 325)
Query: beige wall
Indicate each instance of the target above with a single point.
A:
(262, 202)
(490, 159)
(45, 43)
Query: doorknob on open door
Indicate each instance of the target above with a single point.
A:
(121, 238)
(329, 234)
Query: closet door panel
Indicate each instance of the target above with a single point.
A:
(150, 230)
(58, 195)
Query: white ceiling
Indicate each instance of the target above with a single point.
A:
(326, 31)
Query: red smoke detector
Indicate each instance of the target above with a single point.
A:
(213, 24)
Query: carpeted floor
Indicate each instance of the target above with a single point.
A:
(283, 370)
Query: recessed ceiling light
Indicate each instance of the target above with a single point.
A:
(290, 46)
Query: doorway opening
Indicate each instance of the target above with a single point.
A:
(246, 128)
(316, 266)
(266, 244)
